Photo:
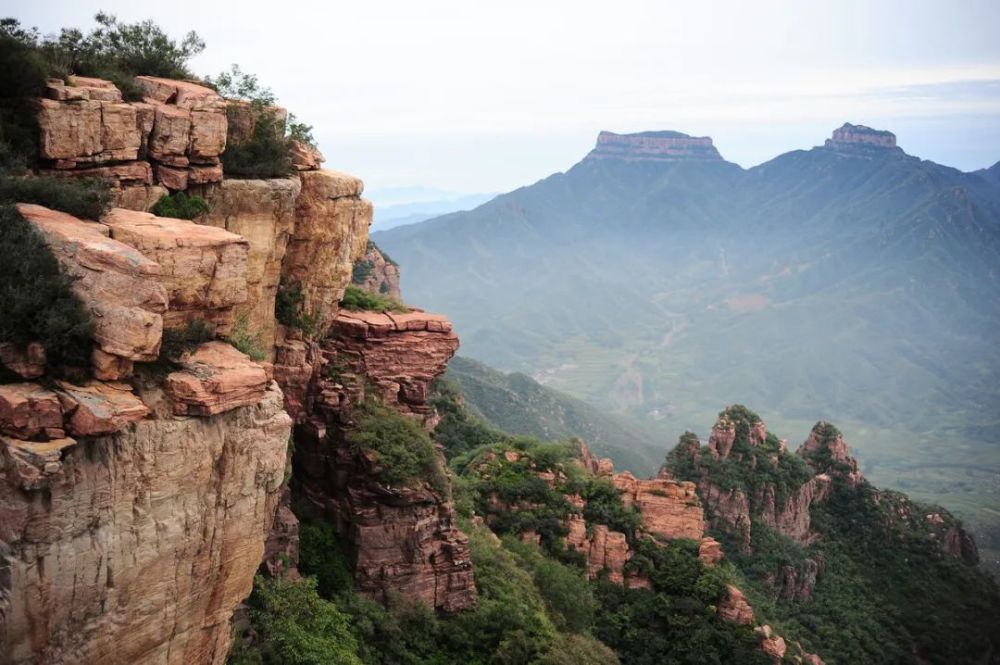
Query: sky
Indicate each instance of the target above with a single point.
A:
(483, 97)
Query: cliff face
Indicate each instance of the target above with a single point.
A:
(135, 506)
(136, 547)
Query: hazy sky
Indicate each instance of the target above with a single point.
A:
(473, 96)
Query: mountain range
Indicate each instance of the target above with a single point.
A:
(654, 279)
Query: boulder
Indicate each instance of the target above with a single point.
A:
(28, 411)
(117, 284)
(710, 551)
(215, 378)
(670, 509)
(202, 268)
(99, 408)
(306, 157)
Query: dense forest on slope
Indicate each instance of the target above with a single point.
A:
(860, 281)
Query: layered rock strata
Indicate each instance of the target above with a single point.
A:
(377, 273)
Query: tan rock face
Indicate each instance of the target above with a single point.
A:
(791, 517)
(144, 543)
(772, 644)
(262, 212)
(400, 354)
(306, 157)
(609, 551)
(202, 268)
(670, 509)
(826, 450)
(710, 551)
(330, 235)
(118, 285)
(376, 274)
(216, 378)
(722, 438)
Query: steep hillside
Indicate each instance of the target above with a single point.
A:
(518, 404)
(851, 276)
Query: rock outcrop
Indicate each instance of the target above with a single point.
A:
(399, 353)
(215, 378)
(670, 509)
(734, 608)
(330, 235)
(377, 273)
(136, 547)
(662, 146)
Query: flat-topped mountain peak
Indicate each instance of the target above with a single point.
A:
(654, 146)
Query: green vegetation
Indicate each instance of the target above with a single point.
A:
(404, 452)
(246, 340)
(295, 626)
(87, 198)
(177, 341)
(356, 299)
(47, 312)
(266, 152)
(289, 308)
(363, 267)
(180, 206)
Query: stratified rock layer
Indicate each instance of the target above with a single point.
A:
(376, 273)
(136, 548)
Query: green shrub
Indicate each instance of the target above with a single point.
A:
(403, 449)
(295, 626)
(177, 341)
(36, 298)
(180, 206)
(23, 73)
(265, 155)
(357, 299)
(289, 308)
(605, 506)
(246, 341)
(320, 555)
(87, 198)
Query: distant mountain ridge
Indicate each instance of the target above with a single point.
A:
(850, 281)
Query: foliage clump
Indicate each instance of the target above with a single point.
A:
(404, 451)
(246, 340)
(177, 341)
(357, 299)
(289, 308)
(266, 153)
(180, 206)
(87, 198)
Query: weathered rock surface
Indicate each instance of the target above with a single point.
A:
(772, 644)
(281, 550)
(670, 509)
(143, 543)
(202, 268)
(306, 157)
(399, 353)
(215, 378)
(826, 451)
(262, 212)
(665, 146)
(330, 235)
(118, 285)
(710, 551)
(376, 273)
